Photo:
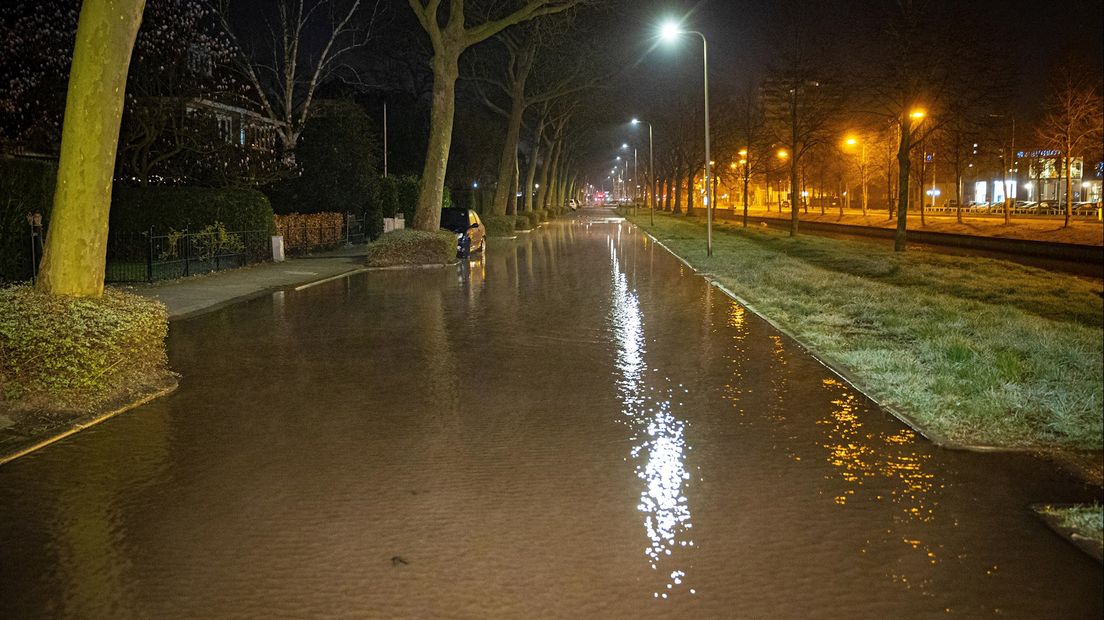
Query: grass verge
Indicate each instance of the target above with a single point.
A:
(979, 351)
(1082, 525)
(412, 247)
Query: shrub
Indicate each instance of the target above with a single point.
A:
(500, 225)
(522, 223)
(387, 195)
(412, 247)
(400, 195)
(26, 186)
(74, 353)
(406, 192)
(136, 209)
(533, 218)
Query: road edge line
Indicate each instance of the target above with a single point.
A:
(80, 426)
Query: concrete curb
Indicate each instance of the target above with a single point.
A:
(82, 424)
(840, 370)
(393, 268)
(339, 276)
(1087, 545)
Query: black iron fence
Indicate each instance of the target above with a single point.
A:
(149, 257)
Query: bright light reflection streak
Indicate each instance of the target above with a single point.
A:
(659, 435)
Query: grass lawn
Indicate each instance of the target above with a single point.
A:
(976, 350)
(1083, 524)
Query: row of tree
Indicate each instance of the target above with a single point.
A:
(807, 119)
(309, 44)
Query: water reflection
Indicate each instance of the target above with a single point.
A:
(659, 449)
(862, 460)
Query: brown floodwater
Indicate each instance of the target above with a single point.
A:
(574, 425)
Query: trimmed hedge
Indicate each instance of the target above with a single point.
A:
(310, 230)
(74, 353)
(412, 247)
(26, 186)
(136, 209)
(522, 223)
(500, 225)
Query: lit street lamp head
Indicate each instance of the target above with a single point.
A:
(917, 114)
(635, 121)
(670, 30)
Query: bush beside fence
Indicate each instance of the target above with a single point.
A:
(26, 187)
(137, 209)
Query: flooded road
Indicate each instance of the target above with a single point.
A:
(573, 425)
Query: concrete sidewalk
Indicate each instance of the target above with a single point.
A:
(190, 296)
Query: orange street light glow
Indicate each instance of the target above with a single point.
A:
(782, 154)
(918, 114)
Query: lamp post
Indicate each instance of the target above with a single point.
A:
(635, 178)
(670, 31)
(862, 169)
(651, 171)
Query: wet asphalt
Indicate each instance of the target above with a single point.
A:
(573, 425)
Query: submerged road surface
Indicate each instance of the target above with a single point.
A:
(573, 426)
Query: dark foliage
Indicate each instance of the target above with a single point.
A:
(136, 209)
(26, 187)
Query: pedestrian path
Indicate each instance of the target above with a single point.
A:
(190, 296)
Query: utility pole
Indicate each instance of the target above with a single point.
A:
(385, 139)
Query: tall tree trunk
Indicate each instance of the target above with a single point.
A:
(76, 245)
(545, 169)
(903, 148)
(515, 180)
(920, 185)
(677, 180)
(507, 161)
(553, 174)
(534, 155)
(690, 190)
(889, 188)
(431, 190)
(746, 180)
(794, 156)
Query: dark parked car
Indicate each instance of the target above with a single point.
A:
(468, 227)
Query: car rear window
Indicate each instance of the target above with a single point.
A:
(454, 219)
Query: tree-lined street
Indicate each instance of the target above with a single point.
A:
(650, 448)
(551, 308)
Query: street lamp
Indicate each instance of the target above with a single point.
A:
(862, 170)
(633, 179)
(651, 169)
(670, 31)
